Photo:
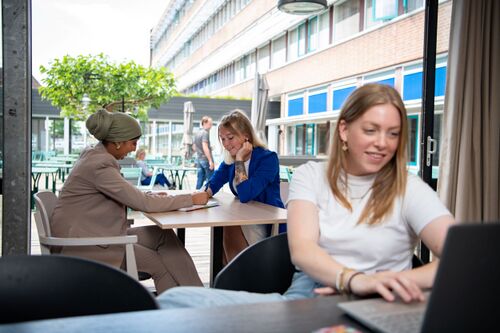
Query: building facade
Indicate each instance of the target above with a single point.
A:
(312, 63)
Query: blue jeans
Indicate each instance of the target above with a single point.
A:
(204, 173)
(199, 297)
(160, 179)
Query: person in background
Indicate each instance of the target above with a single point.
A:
(146, 174)
(204, 158)
(354, 221)
(252, 172)
(94, 200)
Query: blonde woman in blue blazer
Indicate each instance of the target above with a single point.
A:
(252, 172)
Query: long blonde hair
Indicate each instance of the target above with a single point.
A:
(238, 123)
(390, 181)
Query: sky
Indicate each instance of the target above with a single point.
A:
(117, 28)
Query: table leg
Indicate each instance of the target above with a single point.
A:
(215, 253)
(178, 179)
(181, 234)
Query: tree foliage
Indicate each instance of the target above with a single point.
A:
(108, 85)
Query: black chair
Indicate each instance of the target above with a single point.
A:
(56, 286)
(264, 267)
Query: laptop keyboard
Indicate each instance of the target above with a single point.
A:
(387, 317)
(409, 322)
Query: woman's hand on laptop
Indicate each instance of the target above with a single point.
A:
(388, 284)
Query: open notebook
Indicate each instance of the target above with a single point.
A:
(210, 203)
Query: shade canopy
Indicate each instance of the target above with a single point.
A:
(187, 139)
(259, 106)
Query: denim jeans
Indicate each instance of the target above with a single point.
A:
(199, 297)
(204, 173)
(160, 179)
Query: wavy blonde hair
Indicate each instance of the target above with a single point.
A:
(390, 181)
(237, 122)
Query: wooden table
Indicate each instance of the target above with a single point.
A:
(292, 316)
(230, 212)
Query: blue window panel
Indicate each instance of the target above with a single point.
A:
(295, 106)
(389, 82)
(317, 103)
(340, 95)
(412, 86)
(440, 81)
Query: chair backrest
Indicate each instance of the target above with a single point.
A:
(45, 201)
(264, 267)
(151, 183)
(132, 174)
(44, 287)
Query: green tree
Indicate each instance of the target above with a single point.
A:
(108, 85)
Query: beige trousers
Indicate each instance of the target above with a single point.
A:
(161, 254)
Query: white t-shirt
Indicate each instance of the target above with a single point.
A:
(385, 246)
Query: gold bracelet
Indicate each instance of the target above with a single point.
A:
(342, 284)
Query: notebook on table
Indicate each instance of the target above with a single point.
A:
(465, 296)
(210, 203)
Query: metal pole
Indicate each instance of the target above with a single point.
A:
(16, 41)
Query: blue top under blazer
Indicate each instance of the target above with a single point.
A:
(262, 185)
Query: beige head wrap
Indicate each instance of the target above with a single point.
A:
(113, 126)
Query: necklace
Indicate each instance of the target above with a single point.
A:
(359, 197)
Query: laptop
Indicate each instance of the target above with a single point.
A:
(465, 296)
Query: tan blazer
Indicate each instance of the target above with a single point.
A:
(93, 202)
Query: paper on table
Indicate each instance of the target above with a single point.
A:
(210, 203)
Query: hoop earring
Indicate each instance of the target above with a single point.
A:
(344, 146)
(118, 146)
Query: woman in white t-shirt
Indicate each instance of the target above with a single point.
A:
(354, 221)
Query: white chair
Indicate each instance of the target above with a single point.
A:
(151, 183)
(45, 202)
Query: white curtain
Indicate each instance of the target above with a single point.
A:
(470, 156)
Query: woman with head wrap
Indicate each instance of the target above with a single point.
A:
(94, 200)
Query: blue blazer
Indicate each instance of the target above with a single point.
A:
(262, 185)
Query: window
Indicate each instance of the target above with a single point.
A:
(278, 51)
(346, 19)
(412, 86)
(412, 146)
(312, 41)
(340, 95)
(324, 30)
(412, 83)
(369, 14)
(384, 9)
(301, 40)
(412, 5)
(317, 101)
(323, 138)
(389, 81)
(304, 139)
(263, 64)
(295, 105)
